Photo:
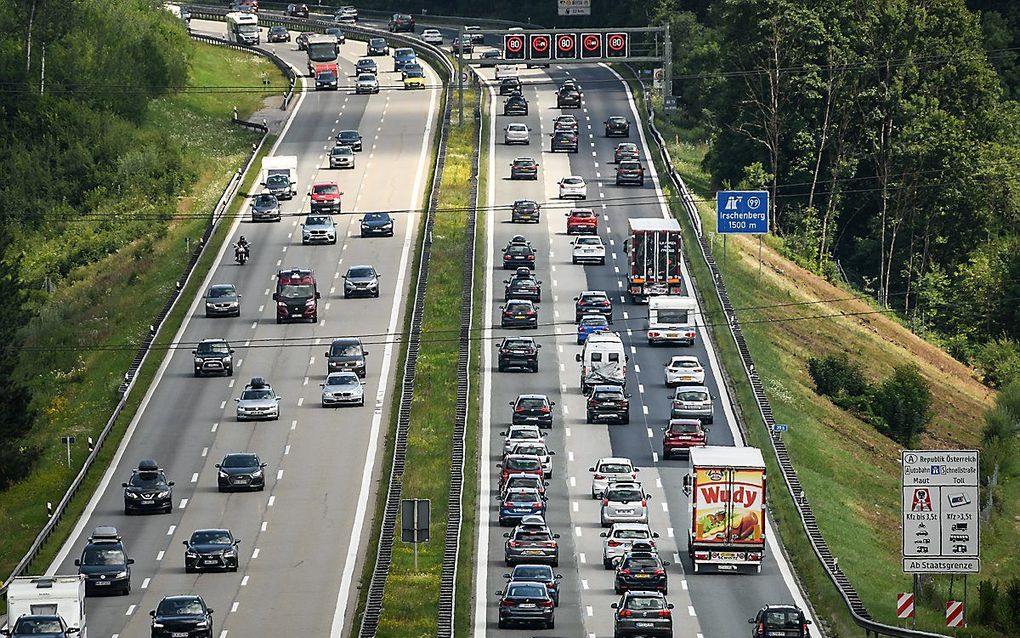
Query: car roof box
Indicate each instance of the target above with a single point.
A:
(148, 465)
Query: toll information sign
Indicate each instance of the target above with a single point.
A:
(941, 533)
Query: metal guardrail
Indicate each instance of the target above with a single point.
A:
(275, 59)
(125, 388)
(846, 590)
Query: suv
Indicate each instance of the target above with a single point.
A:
(630, 172)
(148, 490)
(518, 352)
(361, 281)
(105, 563)
(296, 296)
(523, 285)
(532, 408)
(377, 224)
(182, 616)
(258, 400)
(516, 464)
(582, 221)
(593, 302)
(531, 542)
(325, 197)
(617, 126)
(568, 97)
(564, 141)
(773, 621)
(538, 574)
(643, 613)
(519, 313)
(518, 256)
(265, 207)
(680, 435)
(692, 402)
(588, 249)
(213, 356)
(525, 210)
(515, 105)
(641, 569)
(626, 151)
(318, 229)
(401, 22)
(378, 46)
(222, 300)
(347, 353)
(624, 502)
(210, 549)
(402, 57)
(526, 602)
(524, 168)
(610, 469)
(621, 538)
(608, 403)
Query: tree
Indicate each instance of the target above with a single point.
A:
(903, 402)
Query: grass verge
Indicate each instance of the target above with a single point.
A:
(143, 273)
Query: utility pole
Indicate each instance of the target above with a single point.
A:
(667, 69)
(460, 73)
(42, 71)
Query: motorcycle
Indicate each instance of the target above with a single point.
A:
(241, 253)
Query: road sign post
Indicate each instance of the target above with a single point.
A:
(414, 523)
(68, 441)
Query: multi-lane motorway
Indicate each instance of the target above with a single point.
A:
(709, 605)
(303, 538)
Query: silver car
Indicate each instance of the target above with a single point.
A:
(361, 281)
(366, 83)
(222, 300)
(517, 133)
(341, 157)
(624, 503)
(588, 249)
(609, 469)
(258, 401)
(318, 229)
(519, 433)
(621, 538)
(531, 542)
(265, 208)
(539, 449)
(342, 388)
(692, 402)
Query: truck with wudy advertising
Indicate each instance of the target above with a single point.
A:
(654, 258)
(726, 486)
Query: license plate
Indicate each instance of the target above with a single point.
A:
(686, 377)
(533, 552)
(179, 634)
(622, 512)
(212, 561)
(240, 480)
(518, 316)
(102, 583)
(642, 625)
(148, 502)
(644, 575)
(673, 335)
(727, 555)
(527, 605)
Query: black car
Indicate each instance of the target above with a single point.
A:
(297, 10)
(350, 138)
(40, 626)
(643, 613)
(181, 616)
(105, 564)
(608, 403)
(533, 409)
(265, 207)
(524, 168)
(341, 38)
(523, 287)
(593, 302)
(489, 59)
(630, 172)
(538, 574)
(279, 186)
(508, 86)
(780, 621)
(515, 105)
(366, 65)
(617, 126)
(211, 549)
(326, 80)
(526, 603)
(641, 569)
(213, 356)
(518, 352)
(148, 490)
(568, 97)
(519, 313)
(346, 353)
(378, 46)
(401, 22)
(564, 141)
(222, 300)
(377, 224)
(240, 471)
(278, 34)
(525, 210)
(517, 256)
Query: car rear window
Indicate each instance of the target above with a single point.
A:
(525, 572)
(624, 495)
(527, 591)
(685, 428)
(631, 534)
(641, 562)
(692, 395)
(614, 468)
(537, 535)
(521, 497)
(644, 602)
(524, 464)
(782, 619)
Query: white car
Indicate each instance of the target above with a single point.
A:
(621, 538)
(573, 187)
(432, 36)
(608, 470)
(588, 249)
(471, 31)
(506, 71)
(366, 83)
(684, 369)
(539, 449)
(624, 502)
(516, 133)
(520, 433)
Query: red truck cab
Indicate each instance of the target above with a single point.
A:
(680, 435)
(582, 221)
(325, 197)
(297, 296)
(327, 76)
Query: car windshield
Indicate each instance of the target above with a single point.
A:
(532, 403)
(240, 460)
(644, 602)
(99, 555)
(629, 166)
(326, 189)
(685, 427)
(220, 291)
(277, 180)
(616, 119)
(211, 537)
(317, 220)
(256, 395)
(692, 395)
(523, 283)
(596, 322)
(592, 299)
(265, 200)
(366, 77)
(297, 291)
(782, 619)
(377, 42)
(402, 53)
(180, 607)
(146, 479)
(348, 136)
(343, 379)
(614, 468)
(365, 271)
(415, 73)
(524, 464)
(343, 150)
(582, 214)
(277, 29)
(213, 348)
(521, 497)
(526, 591)
(345, 350)
(377, 217)
(641, 562)
(524, 162)
(32, 626)
(631, 534)
(532, 572)
(624, 494)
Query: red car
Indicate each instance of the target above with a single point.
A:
(519, 464)
(681, 435)
(582, 221)
(325, 197)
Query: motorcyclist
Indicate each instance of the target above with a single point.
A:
(242, 249)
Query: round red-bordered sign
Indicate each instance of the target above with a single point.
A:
(540, 43)
(616, 42)
(514, 43)
(591, 42)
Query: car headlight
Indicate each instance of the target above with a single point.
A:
(256, 474)
(226, 359)
(163, 494)
(202, 623)
(209, 304)
(230, 552)
(121, 574)
(223, 474)
(131, 495)
(157, 625)
(281, 304)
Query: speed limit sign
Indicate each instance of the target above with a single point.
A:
(513, 47)
(566, 46)
(617, 45)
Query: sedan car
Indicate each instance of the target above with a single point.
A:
(680, 435)
(563, 141)
(538, 574)
(684, 369)
(510, 86)
(280, 186)
(40, 626)
(531, 542)
(347, 354)
(318, 229)
(222, 300)
(641, 569)
(148, 489)
(523, 287)
(624, 503)
(240, 471)
(265, 207)
(361, 281)
(608, 470)
(525, 210)
(366, 65)
(350, 138)
(378, 46)
(526, 603)
(105, 564)
(626, 151)
(582, 221)
(524, 168)
(515, 105)
(692, 402)
(593, 302)
(341, 156)
(377, 224)
(780, 621)
(589, 325)
(401, 22)
(518, 502)
(213, 356)
(210, 549)
(519, 313)
(532, 408)
(588, 250)
(617, 126)
(402, 57)
(516, 133)
(297, 10)
(518, 256)
(573, 187)
(181, 616)
(620, 539)
(518, 352)
(568, 97)
(278, 34)
(432, 36)
(643, 613)
(258, 400)
(366, 83)
(342, 388)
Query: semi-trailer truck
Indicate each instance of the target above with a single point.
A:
(654, 258)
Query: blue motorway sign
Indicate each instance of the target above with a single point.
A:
(742, 212)
(780, 427)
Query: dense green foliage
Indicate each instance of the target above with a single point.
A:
(81, 177)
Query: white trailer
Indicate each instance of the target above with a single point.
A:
(46, 595)
(277, 167)
(243, 28)
(672, 320)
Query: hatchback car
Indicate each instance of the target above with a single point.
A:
(516, 133)
(564, 141)
(210, 549)
(518, 502)
(40, 626)
(378, 46)
(524, 168)
(377, 224)
(278, 34)
(641, 569)
(626, 151)
(643, 613)
(347, 354)
(539, 449)
(680, 435)
(181, 616)
(609, 469)
(532, 408)
(414, 78)
(780, 621)
(105, 564)
(589, 325)
(258, 400)
(519, 353)
(222, 300)
(515, 105)
(568, 97)
(366, 65)
(341, 156)
(525, 210)
(684, 369)
(240, 471)
(366, 83)
(526, 603)
(538, 574)
(350, 137)
(519, 464)
(692, 402)
(325, 197)
(573, 187)
(531, 542)
(510, 86)
(518, 256)
(624, 503)
(519, 313)
(432, 36)
(630, 172)
(342, 388)
(588, 250)
(148, 489)
(607, 403)
(617, 126)
(593, 302)
(213, 356)
(318, 229)
(265, 207)
(582, 221)
(361, 281)
(519, 433)
(523, 287)
(621, 538)
(565, 123)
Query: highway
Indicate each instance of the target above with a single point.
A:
(304, 538)
(707, 605)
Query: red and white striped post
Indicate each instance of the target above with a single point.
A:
(954, 613)
(905, 605)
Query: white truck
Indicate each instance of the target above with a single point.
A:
(243, 28)
(48, 595)
(672, 320)
(603, 361)
(279, 175)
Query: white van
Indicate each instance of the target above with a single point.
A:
(603, 361)
(506, 71)
(672, 320)
(46, 596)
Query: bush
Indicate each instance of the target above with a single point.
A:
(16, 461)
(835, 375)
(999, 360)
(903, 401)
(988, 603)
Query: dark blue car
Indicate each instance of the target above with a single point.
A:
(589, 325)
(377, 224)
(519, 502)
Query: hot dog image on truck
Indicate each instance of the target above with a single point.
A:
(726, 486)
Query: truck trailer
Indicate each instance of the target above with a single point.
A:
(46, 596)
(654, 258)
(672, 320)
(726, 486)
